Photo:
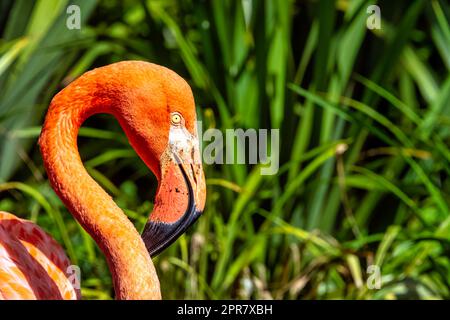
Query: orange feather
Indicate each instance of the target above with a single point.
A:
(141, 96)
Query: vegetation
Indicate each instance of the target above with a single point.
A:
(364, 118)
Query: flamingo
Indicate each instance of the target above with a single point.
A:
(155, 108)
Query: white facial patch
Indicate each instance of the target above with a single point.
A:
(183, 149)
(180, 138)
(183, 145)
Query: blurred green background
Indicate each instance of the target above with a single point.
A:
(364, 118)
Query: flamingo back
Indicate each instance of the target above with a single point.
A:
(32, 264)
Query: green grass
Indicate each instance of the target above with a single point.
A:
(364, 118)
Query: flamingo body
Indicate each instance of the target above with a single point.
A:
(156, 109)
(32, 264)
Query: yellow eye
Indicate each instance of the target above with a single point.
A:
(175, 118)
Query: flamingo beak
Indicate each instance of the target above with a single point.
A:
(180, 198)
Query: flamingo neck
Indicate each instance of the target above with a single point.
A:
(133, 273)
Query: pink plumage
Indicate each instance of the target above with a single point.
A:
(32, 264)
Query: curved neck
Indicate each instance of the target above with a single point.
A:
(133, 273)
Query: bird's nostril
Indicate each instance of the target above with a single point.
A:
(193, 173)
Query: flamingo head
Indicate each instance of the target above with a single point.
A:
(157, 113)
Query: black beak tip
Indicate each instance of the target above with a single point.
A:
(158, 236)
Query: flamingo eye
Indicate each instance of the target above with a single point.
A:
(176, 118)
